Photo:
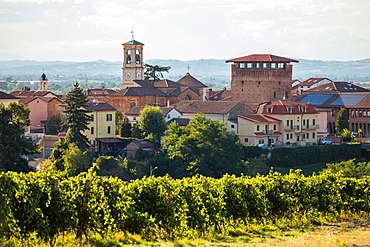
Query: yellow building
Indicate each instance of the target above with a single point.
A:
(280, 123)
(103, 122)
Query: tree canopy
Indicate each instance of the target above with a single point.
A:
(204, 146)
(154, 73)
(77, 118)
(13, 142)
(342, 120)
(152, 123)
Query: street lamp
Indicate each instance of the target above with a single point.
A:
(151, 170)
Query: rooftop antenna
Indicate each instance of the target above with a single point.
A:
(132, 33)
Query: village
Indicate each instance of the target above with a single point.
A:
(265, 106)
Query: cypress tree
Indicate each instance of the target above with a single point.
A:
(77, 118)
(342, 120)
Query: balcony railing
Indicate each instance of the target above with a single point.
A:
(315, 126)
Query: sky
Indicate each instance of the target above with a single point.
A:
(89, 30)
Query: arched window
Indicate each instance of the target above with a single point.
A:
(132, 104)
(128, 59)
(137, 58)
(187, 97)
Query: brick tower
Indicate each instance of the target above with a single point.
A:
(261, 78)
(133, 64)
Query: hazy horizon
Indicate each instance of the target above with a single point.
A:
(89, 30)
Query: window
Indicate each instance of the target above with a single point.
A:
(261, 141)
(274, 126)
(242, 65)
(108, 130)
(245, 139)
(132, 104)
(92, 130)
(187, 97)
(281, 65)
(109, 117)
(257, 65)
(313, 135)
(249, 65)
(313, 121)
(258, 128)
(242, 82)
(92, 117)
(273, 65)
(168, 116)
(264, 65)
(232, 126)
(287, 136)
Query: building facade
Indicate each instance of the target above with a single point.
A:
(261, 78)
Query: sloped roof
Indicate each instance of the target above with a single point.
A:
(339, 87)
(7, 96)
(337, 100)
(143, 144)
(207, 107)
(167, 83)
(31, 93)
(99, 91)
(311, 81)
(280, 107)
(268, 58)
(220, 95)
(100, 107)
(132, 42)
(136, 110)
(260, 118)
(146, 89)
(189, 80)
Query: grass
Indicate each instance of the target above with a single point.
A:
(355, 232)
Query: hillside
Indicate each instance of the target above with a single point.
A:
(354, 71)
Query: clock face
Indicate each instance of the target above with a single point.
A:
(138, 74)
(128, 74)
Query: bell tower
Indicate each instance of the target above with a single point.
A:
(133, 64)
(43, 83)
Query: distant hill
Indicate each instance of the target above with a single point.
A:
(351, 71)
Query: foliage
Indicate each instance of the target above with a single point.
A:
(46, 205)
(152, 123)
(204, 146)
(154, 73)
(119, 121)
(77, 118)
(341, 122)
(253, 151)
(53, 125)
(76, 160)
(350, 168)
(126, 128)
(137, 132)
(308, 155)
(347, 135)
(13, 142)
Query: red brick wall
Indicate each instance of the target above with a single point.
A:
(253, 86)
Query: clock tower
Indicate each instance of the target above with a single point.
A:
(132, 68)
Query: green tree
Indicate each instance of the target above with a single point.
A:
(76, 160)
(119, 122)
(204, 146)
(154, 73)
(13, 143)
(77, 118)
(347, 135)
(136, 131)
(126, 128)
(152, 123)
(53, 125)
(341, 122)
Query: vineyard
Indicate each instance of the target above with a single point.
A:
(47, 205)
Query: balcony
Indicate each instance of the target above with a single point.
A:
(310, 127)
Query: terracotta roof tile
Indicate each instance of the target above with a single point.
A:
(7, 96)
(189, 80)
(259, 118)
(207, 107)
(262, 58)
(136, 110)
(311, 81)
(168, 83)
(281, 107)
(100, 107)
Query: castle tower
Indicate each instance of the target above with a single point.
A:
(133, 64)
(261, 78)
(43, 83)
